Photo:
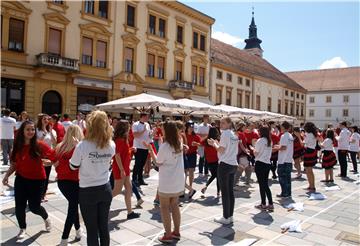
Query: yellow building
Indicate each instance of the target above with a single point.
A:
(65, 56)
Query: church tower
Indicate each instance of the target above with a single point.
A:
(253, 42)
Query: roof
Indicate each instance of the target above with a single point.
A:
(243, 61)
(328, 79)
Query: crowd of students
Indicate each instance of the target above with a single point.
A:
(86, 152)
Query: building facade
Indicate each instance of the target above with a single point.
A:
(333, 95)
(66, 56)
(243, 78)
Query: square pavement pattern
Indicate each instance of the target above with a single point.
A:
(333, 221)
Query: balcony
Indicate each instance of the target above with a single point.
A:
(185, 85)
(56, 61)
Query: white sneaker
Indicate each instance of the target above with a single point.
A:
(231, 219)
(47, 224)
(139, 202)
(22, 234)
(63, 242)
(79, 234)
(223, 221)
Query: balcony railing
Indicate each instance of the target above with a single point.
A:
(181, 84)
(52, 60)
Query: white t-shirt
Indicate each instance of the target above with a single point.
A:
(18, 124)
(66, 124)
(139, 127)
(286, 156)
(171, 170)
(344, 139)
(263, 150)
(80, 123)
(7, 125)
(229, 140)
(203, 129)
(355, 145)
(310, 140)
(93, 163)
(46, 137)
(328, 144)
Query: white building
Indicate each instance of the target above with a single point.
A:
(333, 95)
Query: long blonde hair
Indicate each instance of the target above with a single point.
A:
(98, 129)
(68, 142)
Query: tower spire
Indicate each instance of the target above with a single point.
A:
(253, 42)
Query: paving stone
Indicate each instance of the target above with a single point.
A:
(138, 226)
(331, 233)
(290, 240)
(346, 221)
(265, 233)
(324, 240)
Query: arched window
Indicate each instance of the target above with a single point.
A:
(51, 103)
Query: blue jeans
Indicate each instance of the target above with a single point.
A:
(284, 173)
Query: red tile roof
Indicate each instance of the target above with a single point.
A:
(243, 61)
(328, 79)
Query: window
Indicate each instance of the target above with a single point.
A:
(195, 40)
(312, 99)
(101, 54)
(178, 74)
(219, 74)
(218, 95)
(311, 113)
(228, 97)
(248, 82)
(129, 60)
(239, 99)
(279, 106)
(202, 42)
(292, 94)
(151, 65)
(346, 99)
(161, 67)
(152, 24)
(58, 1)
(16, 35)
(89, 6)
(286, 107)
(302, 97)
(54, 42)
(247, 101)
(297, 95)
(229, 77)
(13, 94)
(328, 99)
(269, 104)
(130, 21)
(240, 80)
(302, 110)
(201, 76)
(345, 112)
(194, 74)
(328, 113)
(162, 24)
(286, 93)
(103, 9)
(257, 102)
(297, 109)
(87, 51)
(291, 108)
(179, 34)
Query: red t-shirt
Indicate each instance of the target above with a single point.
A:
(60, 131)
(250, 136)
(190, 139)
(242, 137)
(210, 153)
(275, 138)
(158, 133)
(131, 138)
(30, 168)
(123, 149)
(64, 172)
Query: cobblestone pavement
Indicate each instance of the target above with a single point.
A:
(333, 221)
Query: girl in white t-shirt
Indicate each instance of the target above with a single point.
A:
(227, 150)
(170, 161)
(262, 152)
(354, 146)
(46, 134)
(329, 157)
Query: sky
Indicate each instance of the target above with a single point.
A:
(295, 35)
